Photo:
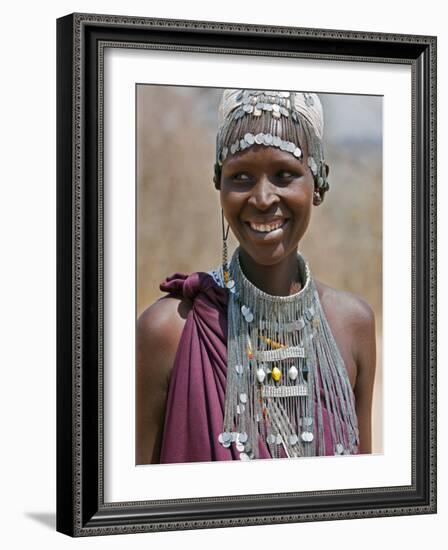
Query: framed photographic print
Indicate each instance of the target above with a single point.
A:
(246, 274)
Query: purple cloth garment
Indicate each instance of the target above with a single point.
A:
(195, 403)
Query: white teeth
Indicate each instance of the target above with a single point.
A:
(263, 228)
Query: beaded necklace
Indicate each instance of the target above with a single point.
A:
(283, 369)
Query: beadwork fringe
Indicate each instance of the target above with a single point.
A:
(284, 369)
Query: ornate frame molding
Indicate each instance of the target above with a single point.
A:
(81, 510)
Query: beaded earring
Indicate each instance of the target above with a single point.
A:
(225, 262)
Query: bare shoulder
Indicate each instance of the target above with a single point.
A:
(159, 329)
(351, 309)
(352, 321)
(162, 317)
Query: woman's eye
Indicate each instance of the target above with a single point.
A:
(285, 174)
(241, 176)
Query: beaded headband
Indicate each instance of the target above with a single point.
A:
(273, 119)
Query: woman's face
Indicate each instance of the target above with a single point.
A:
(267, 196)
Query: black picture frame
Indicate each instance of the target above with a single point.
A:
(81, 510)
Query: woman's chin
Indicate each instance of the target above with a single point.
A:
(265, 255)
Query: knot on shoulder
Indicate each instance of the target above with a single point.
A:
(190, 286)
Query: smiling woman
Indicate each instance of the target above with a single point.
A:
(257, 359)
(267, 196)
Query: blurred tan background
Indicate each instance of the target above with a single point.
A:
(178, 211)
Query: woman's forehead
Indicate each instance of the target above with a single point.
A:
(261, 156)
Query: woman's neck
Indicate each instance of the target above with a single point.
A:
(281, 279)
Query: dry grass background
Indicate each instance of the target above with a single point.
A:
(178, 212)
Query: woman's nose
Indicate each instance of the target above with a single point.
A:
(264, 194)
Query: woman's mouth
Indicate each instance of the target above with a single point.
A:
(267, 231)
(267, 227)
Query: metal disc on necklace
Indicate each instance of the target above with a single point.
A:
(239, 369)
(271, 439)
(279, 439)
(225, 437)
(307, 437)
(245, 310)
(230, 283)
(249, 317)
(239, 447)
(243, 397)
(293, 439)
(244, 456)
(339, 448)
(240, 409)
(309, 314)
(242, 437)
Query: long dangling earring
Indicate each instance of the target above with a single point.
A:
(225, 262)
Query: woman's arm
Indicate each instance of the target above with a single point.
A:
(159, 329)
(365, 356)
